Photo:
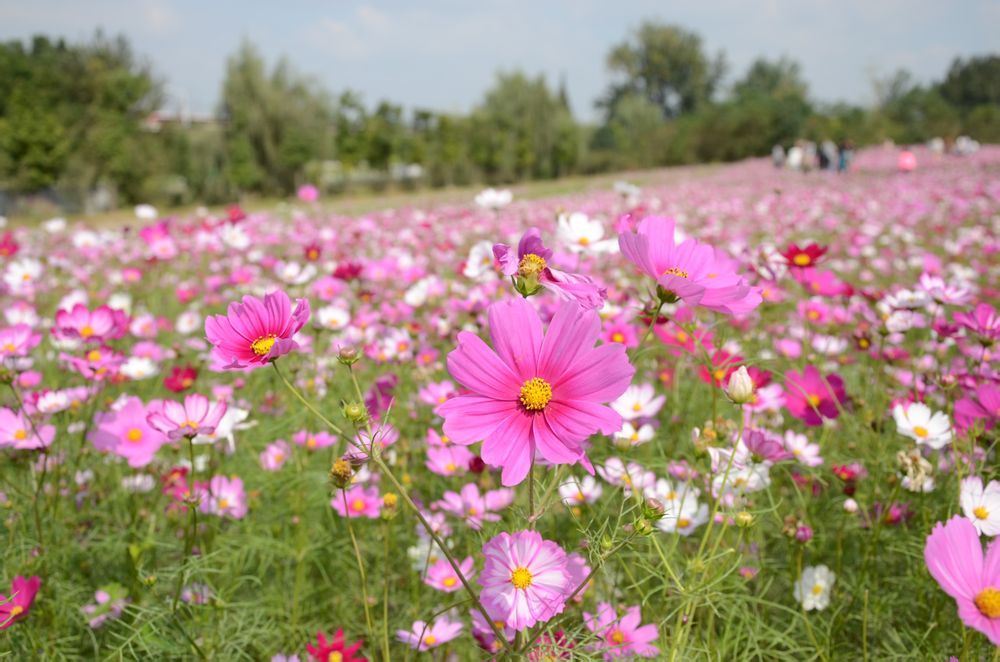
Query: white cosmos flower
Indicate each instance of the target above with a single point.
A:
(22, 275)
(638, 401)
(981, 505)
(333, 317)
(188, 322)
(580, 233)
(54, 225)
(145, 212)
(682, 512)
(138, 367)
(916, 421)
(577, 491)
(813, 589)
(908, 299)
(235, 237)
(631, 435)
(495, 199)
(294, 273)
(479, 265)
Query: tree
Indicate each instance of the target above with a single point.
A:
(779, 79)
(668, 66)
(972, 82)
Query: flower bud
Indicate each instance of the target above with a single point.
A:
(356, 413)
(804, 533)
(643, 527)
(652, 509)
(348, 356)
(850, 506)
(740, 388)
(744, 520)
(341, 473)
(389, 505)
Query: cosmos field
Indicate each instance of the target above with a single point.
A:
(750, 414)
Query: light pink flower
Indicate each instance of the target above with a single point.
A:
(441, 575)
(126, 432)
(535, 391)
(224, 497)
(525, 580)
(473, 507)
(361, 502)
(423, 637)
(197, 415)
(19, 433)
(274, 456)
(622, 637)
(103, 324)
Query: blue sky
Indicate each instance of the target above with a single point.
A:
(443, 54)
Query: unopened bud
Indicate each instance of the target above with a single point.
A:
(643, 527)
(652, 509)
(356, 413)
(341, 473)
(389, 503)
(740, 388)
(348, 355)
(744, 520)
(850, 506)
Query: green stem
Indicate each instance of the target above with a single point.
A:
(361, 566)
(308, 405)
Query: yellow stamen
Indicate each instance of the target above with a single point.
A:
(981, 512)
(450, 467)
(535, 394)
(617, 337)
(134, 435)
(674, 271)
(87, 331)
(449, 581)
(262, 346)
(531, 265)
(617, 637)
(520, 577)
(801, 259)
(335, 656)
(20, 435)
(814, 400)
(223, 503)
(988, 602)
(430, 640)
(16, 611)
(93, 356)
(920, 432)
(817, 589)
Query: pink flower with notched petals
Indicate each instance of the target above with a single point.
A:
(982, 404)
(314, 440)
(622, 637)
(811, 397)
(530, 261)
(16, 606)
(535, 391)
(103, 324)
(274, 456)
(525, 580)
(473, 507)
(18, 431)
(196, 415)
(442, 576)
(955, 560)
(361, 502)
(224, 497)
(255, 332)
(691, 271)
(18, 341)
(126, 432)
(982, 321)
(424, 636)
(448, 460)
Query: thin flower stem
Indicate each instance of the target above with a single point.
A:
(305, 402)
(725, 480)
(361, 566)
(191, 531)
(725, 523)
(531, 496)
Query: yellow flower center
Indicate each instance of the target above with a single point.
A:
(813, 314)
(262, 346)
(430, 640)
(637, 407)
(450, 467)
(87, 331)
(93, 356)
(20, 435)
(134, 435)
(16, 611)
(9, 347)
(683, 523)
(681, 336)
(981, 512)
(988, 602)
(223, 503)
(473, 512)
(335, 656)
(584, 241)
(520, 577)
(813, 399)
(617, 337)
(580, 496)
(920, 432)
(531, 265)
(719, 374)
(617, 637)
(311, 442)
(535, 394)
(449, 581)
(445, 440)
(802, 259)
(674, 271)
(358, 505)
(817, 589)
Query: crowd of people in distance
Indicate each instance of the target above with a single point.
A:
(806, 155)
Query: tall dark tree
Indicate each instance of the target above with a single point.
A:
(972, 82)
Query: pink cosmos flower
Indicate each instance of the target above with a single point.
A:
(275, 455)
(224, 497)
(473, 507)
(525, 580)
(103, 324)
(530, 264)
(448, 460)
(126, 432)
(955, 560)
(695, 273)
(96, 364)
(983, 404)
(361, 502)
(314, 440)
(982, 321)
(622, 637)
(256, 332)
(19, 433)
(535, 391)
(441, 575)
(18, 341)
(484, 635)
(436, 393)
(308, 193)
(16, 606)
(197, 415)
(810, 397)
(423, 637)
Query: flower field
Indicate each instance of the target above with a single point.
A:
(749, 414)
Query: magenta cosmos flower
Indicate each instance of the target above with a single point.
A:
(126, 432)
(197, 415)
(16, 606)
(695, 273)
(983, 404)
(103, 324)
(810, 397)
(622, 637)
(535, 391)
(954, 558)
(255, 332)
(530, 265)
(525, 579)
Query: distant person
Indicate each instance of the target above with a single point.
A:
(778, 156)
(845, 155)
(808, 156)
(936, 145)
(828, 155)
(794, 160)
(907, 161)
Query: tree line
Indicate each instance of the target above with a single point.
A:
(82, 117)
